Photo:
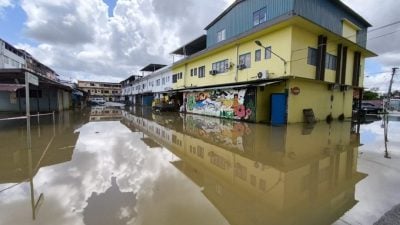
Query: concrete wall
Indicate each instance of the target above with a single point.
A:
(279, 41)
(303, 39)
(317, 96)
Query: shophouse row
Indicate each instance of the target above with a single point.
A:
(267, 61)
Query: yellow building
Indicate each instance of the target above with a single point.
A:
(267, 61)
(105, 90)
(253, 173)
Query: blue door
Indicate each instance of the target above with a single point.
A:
(278, 109)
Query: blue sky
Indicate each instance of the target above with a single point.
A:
(12, 23)
(111, 5)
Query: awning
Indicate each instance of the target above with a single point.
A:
(266, 83)
(219, 88)
(11, 87)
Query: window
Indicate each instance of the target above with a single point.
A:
(191, 72)
(163, 81)
(330, 62)
(221, 35)
(257, 55)
(245, 60)
(312, 56)
(202, 71)
(180, 76)
(158, 82)
(175, 78)
(221, 66)
(260, 16)
(195, 72)
(268, 52)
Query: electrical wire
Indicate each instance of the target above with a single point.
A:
(333, 50)
(350, 36)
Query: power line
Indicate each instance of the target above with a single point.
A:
(374, 73)
(383, 35)
(350, 36)
(384, 26)
(335, 40)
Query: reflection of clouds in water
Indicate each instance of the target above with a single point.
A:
(105, 150)
(373, 136)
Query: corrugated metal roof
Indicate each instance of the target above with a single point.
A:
(226, 11)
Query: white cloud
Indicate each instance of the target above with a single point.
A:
(79, 40)
(380, 13)
(380, 82)
(4, 4)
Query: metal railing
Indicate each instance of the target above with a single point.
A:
(38, 115)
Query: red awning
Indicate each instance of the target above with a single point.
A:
(11, 87)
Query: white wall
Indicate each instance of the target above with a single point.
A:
(8, 59)
(150, 83)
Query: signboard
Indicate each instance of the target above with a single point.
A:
(295, 90)
(32, 79)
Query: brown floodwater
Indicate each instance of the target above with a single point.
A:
(113, 166)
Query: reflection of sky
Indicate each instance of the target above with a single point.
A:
(379, 192)
(105, 150)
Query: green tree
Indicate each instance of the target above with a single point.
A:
(369, 95)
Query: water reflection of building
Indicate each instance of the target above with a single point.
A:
(103, 113)
(256, 174)
(51, 145)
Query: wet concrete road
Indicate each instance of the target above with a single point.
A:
(110, 166)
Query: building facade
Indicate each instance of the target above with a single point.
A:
(269, 61)
(106, 90)
(153, 87)
(49, 95)
(11, 57)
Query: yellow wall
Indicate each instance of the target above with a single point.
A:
(291, 41)
(279, 40)
(264, 100)
(350, 30)
(315, 95)
(302, 39)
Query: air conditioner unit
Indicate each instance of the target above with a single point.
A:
(332, 87)
(344, 88)
(241, 66)
(263, 75)
(228, 65)
(213, 72)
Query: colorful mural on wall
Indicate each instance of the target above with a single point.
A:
(227, 103)
(227, 134)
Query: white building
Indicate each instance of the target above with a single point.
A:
(10, 57)
(151, 87)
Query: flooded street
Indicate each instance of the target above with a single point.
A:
(111, 166)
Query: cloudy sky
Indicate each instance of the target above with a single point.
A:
(110, 39)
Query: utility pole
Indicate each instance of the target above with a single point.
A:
(390, 88)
